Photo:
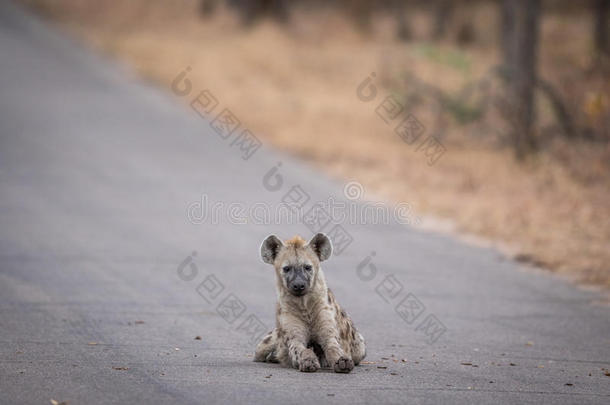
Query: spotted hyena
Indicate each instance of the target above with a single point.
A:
(312, 331)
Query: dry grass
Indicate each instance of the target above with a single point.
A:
(295, 88)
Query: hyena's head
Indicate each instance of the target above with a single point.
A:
(297, 263)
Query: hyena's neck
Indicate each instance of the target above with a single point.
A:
(319, 287)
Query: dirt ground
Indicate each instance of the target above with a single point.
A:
(295, 87)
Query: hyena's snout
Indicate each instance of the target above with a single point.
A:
(297, 279)
(298, 287)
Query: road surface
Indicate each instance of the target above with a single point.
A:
(102, 299)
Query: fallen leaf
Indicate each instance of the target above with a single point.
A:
(607, 373)
(384, 367)
(120, 368)
(512, 364)
(197, 337)
(569, 384)
(529, 343)
(268, 376)
(404, 360)
(466, 363)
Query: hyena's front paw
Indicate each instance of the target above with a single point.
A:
(309, 362)
(344, 365)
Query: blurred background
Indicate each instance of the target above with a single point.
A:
(514, 93)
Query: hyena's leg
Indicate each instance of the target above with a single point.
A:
(328, 337)
(292, 349)
(319, 352)
(358, 348)
(266, 350)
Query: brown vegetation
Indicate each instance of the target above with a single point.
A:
(294, 84)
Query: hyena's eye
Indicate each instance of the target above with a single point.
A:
(286, 269)
(307, 267)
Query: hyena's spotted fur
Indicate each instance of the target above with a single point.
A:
(312, 330)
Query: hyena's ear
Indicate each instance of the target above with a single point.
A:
(270, 248)
(321, 246)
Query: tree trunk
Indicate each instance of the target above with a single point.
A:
(520, 26)
(361, 12)
(252, 10)
(207, 7)
(442, 18)
(508, 29)
(403, 30)
(601, 27)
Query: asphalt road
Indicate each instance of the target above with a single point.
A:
(99, 302)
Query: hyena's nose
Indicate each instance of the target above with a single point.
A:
(298, 287)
